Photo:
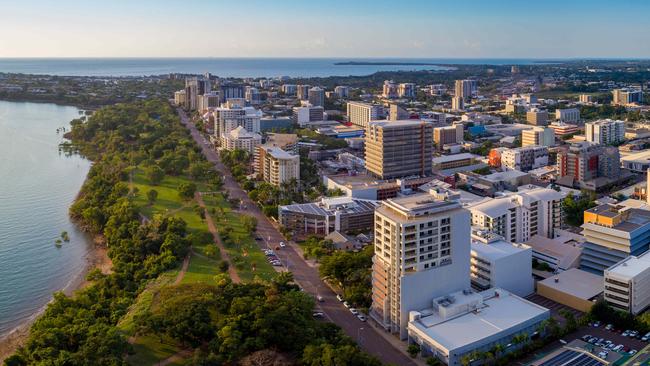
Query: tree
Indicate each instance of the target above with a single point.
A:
(186, 190)
(574, 208)
(432, 361)
(152, 194)
(155, 174)
(413, 350)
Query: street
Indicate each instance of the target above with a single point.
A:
(306, 276)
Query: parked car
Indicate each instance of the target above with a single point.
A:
(354, 311)
(646, 337)
(318, 314)
(258, 238)
(282, 244)
(339, 298)
(618, 348)
(320, 298)
(603, 354)
(586, 337)
(362, 317)
(596, 324)
(345, 303)
(633, 351)
(609, 327)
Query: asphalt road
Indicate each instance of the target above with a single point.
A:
(306, 276)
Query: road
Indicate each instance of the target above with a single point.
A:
(306, 276)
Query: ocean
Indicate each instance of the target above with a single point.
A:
(227, 67)
(37, 186)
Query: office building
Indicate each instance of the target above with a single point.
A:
(496, 263)
(563, 129)
(537, 117)
(308, 114)
(277, 166)
(342, 91)
(316, 96)
(627, 96)
(389, 89)
(397, 113)
(455, 327)
(538, 136)
(321, 218)
(406, 90)
(582, 164)
(229, 91)
(252, 95)
(605, 131)
(302, 92)
(525, 158)
(567, 115)
(233, 114)
(289, 89)
(240, 139)
(194, 87)
(422, 250)
(465, 89)
(399, 148)
(518, 216)
(612, 233)
(207, 101)
(447, 135)
(627, 284)
(457, 104)
(359, 113)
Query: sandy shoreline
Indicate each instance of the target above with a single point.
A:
(95, 258)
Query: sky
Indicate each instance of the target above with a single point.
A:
(329, 28)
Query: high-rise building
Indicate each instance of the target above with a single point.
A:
(406, 90)
(207, 101)
(397, 113)
(360, 113)
(567, 115)
(447, 135)
(277, 166)
(233, 114)
(612, 233)
(627, 96)
(605, 131)
(496, 263)
(525, 158)
(316, 96)
(465, 89)
(389, 90)
(586, 98)
(307, 114)
(539, 136)
(520, 215)
(253, 96)
(229, 91)
(422, 250)
(457, 104)
(399, 148)
(627, 284)
(194, 87)
(342, 91)
(179, 98)
(302, 92)
(289, 89)
(584, 162)
(537, 117)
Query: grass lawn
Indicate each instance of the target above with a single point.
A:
(201, 269)
(149, 350)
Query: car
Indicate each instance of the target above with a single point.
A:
(611, 345)
(362, 317)
(282, 244)
(603, 354)
(346, 304)
(626, 333)
(320, 298)
(354, 311)
(609, 327)
(634, 333)
(585, 337)
(618, 348)
(276, 264)
(592, 340)
(633, 351)
(318, 314)
(646, 337)
(563, 341)
(339, 298)
(258, 238)
(596, 324)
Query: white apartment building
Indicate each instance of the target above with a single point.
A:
(567, 115)
(308, 114)
(605, 131)
(277, 166)
(207, 101)
(342, 91)
(406, 90)
(457, 104)
(360, 114)
(627, 284)
(538, 136)
(525, 158)
(240, 139)
(422, 250)
(496, 263)
(518, 216)
(233, 114)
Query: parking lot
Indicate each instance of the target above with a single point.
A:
(555, 307)
(629, 343)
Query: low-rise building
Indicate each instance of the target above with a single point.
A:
(537, 117)
(447, 135)
(240, 139)
(308, 114)
(525, 158)
(459, 324)
(560, 254)
(339, 214)
(574, 288)
(501, 264)
(563, 129)
(605, 131)
(567, 115)
(638, 162)
(454, 161)
(538, 136)
(627, 284)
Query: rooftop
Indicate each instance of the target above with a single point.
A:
(507, 175)
(578, 283)
(497, 311)
(329, 206)
(278, 153)
(397, 124)
(631, 218)
(630, 266)
(417, 205)
(454, 157)
(566, 250)
(496, 249)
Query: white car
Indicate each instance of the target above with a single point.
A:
(363, 318)
(354, 311)
(318, 314)
(618, 348)
(339, 298)
(282, 244)
(632, 352)
(345, 303)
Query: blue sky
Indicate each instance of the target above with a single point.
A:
(332, 28)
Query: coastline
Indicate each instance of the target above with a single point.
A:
(95, 258)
